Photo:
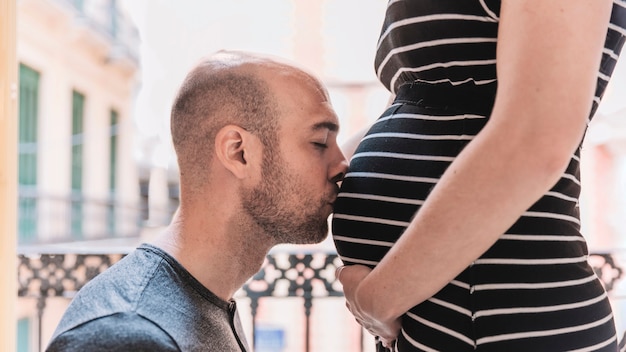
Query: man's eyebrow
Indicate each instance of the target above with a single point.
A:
(333, 127)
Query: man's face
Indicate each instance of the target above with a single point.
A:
(300, 172)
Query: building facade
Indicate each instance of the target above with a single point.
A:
(78, 65)
(77, 72)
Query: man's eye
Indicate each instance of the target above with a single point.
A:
(320, 145)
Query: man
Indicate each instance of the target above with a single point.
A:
(259, 165)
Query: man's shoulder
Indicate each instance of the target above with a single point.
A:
(115, 332)
(115, 291)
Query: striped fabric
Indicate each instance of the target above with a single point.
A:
(533, 290)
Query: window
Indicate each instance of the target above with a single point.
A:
(144, 198)
(23, 335)
(78, 110)
(112, 171)
(27, 150)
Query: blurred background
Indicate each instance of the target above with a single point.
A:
(97, 174)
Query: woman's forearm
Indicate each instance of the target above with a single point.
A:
(481, 195)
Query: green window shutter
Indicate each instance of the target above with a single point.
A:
(23, 335)
(78, 106)
(113, 152)
(112, 169)
(78, 112)
(27, 151)
(29, 97)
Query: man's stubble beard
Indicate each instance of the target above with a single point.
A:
(280, 208)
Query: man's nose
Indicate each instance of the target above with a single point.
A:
(340, 170)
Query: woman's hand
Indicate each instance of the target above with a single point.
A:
(357, 302)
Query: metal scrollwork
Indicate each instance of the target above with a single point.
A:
(283, 275)
(59, 275)
(606, 268)
(306, 275)
(294, 275)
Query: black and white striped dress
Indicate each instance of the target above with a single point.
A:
(533, 290)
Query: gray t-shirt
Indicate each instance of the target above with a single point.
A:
(148, 302)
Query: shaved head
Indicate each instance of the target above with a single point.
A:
(223, 89)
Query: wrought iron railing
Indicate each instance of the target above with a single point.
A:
(309, 276)
(48, 218)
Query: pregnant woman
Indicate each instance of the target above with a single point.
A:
(458, 221)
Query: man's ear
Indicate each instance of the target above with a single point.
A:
(233, 147)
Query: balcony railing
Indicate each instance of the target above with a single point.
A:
(105, 18)
(48, 218)
(306, 276)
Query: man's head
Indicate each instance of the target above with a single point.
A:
(222, 90)
(271, 128)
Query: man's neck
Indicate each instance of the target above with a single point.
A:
(222, 257)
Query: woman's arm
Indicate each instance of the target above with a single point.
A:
(548, 57)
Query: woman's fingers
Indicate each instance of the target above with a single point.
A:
(338, 272)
